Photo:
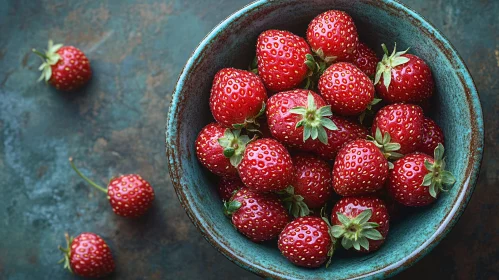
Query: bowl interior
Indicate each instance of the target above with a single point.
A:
(232, 44)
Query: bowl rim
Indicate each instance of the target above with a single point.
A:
(452, 216)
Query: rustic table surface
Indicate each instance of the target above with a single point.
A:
(116, 125)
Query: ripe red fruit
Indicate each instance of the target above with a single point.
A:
(237, 98)
(404, 124)
(347, 131)
(297, 118)
(360, 168)
(417, 178)
(333, 36)
(282, 58)
(347, 89)
(266, 166)
(311, 186)
(228, 186)
(366, 60)
(306, 242)
(87, 255)
(65, 67)
(130, 196)
(432, 136)
(402, 77)
(360, 222)
(217, 147)
(258, 216)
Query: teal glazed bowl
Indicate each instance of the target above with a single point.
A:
(232, 44)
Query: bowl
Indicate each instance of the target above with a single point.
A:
(232, 44)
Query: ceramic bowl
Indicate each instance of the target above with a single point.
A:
(232, 44)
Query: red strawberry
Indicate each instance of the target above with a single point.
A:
(333, 36)
(404, 124)
(306, 242)
(311, 187)
(360, 222)
(217, 147)
(87, 255)
(366, 60)
(346, 132)
(65, 67)
(402, 77)
(432, 136)
(347, 89)
(237, 97)
(258, 216)
(417, 178)
(282, 58)
(228, 186)
(360, 168)
(266, 166)
(130, 196)
(297, 118)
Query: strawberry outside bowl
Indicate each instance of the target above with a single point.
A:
(232, 44)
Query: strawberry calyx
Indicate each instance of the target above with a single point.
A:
(437, 176)
(231, 206)
(369, 109)
(330, 253)
(293, 202)
(389, 62)
(327, 59)
(234, 145)
(316, 68)
(49, 58)
(253, 66)
(355, 232)
(92, 183)
(314, 120)
(67, 252)
(251, 124)
(382, 141)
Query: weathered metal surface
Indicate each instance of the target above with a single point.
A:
(115, 125)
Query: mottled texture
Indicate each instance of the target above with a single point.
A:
(137, 49)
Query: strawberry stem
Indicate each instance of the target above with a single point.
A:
(66, 252)
(42, 55)
(86, 178)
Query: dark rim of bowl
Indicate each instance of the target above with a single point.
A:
(459, 204)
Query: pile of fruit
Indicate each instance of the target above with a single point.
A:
(291, 137)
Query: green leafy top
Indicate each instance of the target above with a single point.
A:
(234, 144)
(251, 124)
(355, 232)
(294, 203)
(387, 63)
(315, 70)
(314, 120)
(231, 206)
(387, 148)
(51, 57)
(67, 252)
(437, 176)
(327, 59)
(369, 109)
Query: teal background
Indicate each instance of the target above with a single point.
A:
(115, 125)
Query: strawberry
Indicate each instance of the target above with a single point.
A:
(297, 118)
(228, 186)
(306, 242)
(130, 196)
(346, 132)
(311, 187)
(347, 89)
(219, 148)
(360, 168)
(404, 124)
(417, 178)
(258, 216)
(64, 67)
(333, 36)
(237, 98)
(432, 136)
(360, 222)
(366, 60)
(402, 77)
(282, 59)
(266, 166)
(87, 255)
